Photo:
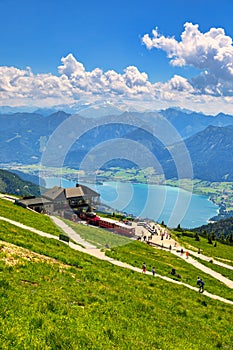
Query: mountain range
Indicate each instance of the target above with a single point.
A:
(208, 138)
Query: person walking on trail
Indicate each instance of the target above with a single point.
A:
(153, 271)
(144, 268)
(187, 254)
(201, 284)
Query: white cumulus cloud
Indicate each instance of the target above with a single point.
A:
(211, 91)
(211, 52)
(131, 82)
(72, 83)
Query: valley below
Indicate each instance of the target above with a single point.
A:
(220, 193)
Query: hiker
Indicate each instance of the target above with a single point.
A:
(201, 286)
(198, 281)
(173, 272)
(181, 251)
(187, 254)
(153, 271)
(144, 267)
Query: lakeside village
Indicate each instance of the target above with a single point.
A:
(79, 205)
(220, 193)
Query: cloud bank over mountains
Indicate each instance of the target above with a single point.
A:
(211, 91)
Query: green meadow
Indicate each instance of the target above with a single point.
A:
(53, 297)
(136, 253)
(220, 251)
(28, 217)
(98, 236)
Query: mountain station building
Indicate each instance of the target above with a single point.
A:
(58, 200)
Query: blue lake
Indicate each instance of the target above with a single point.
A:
(171, 204)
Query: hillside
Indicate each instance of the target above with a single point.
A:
(65, 299)
(25, 135)
(208, 139)
(222, 229)
(211, 151)
(13, 184)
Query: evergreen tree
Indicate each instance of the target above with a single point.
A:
(229, 238)
(179, 228)
(196, 236)
(213, 236)
(222, 237)
(209, 239)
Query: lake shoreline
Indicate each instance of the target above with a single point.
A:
(132, 198)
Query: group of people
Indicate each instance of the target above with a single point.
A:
(144, 269)
(186, 253)
(200, 282)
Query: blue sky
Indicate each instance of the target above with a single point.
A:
(108, 35)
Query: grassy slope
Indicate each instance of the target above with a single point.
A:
(90, 304)
(28, 217)
(79, 302)
(221, 251)
(136, 253)
(222, 270)
(98, 236)
(163, 261)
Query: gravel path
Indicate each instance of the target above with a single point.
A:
(92, 250)
(176, 248)
(198, 265)
(71, 233)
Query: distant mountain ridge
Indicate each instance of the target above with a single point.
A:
(24, 135)
(211, 151)
(208, 139)
(189, 123)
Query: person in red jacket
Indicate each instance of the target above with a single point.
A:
(144, 268)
